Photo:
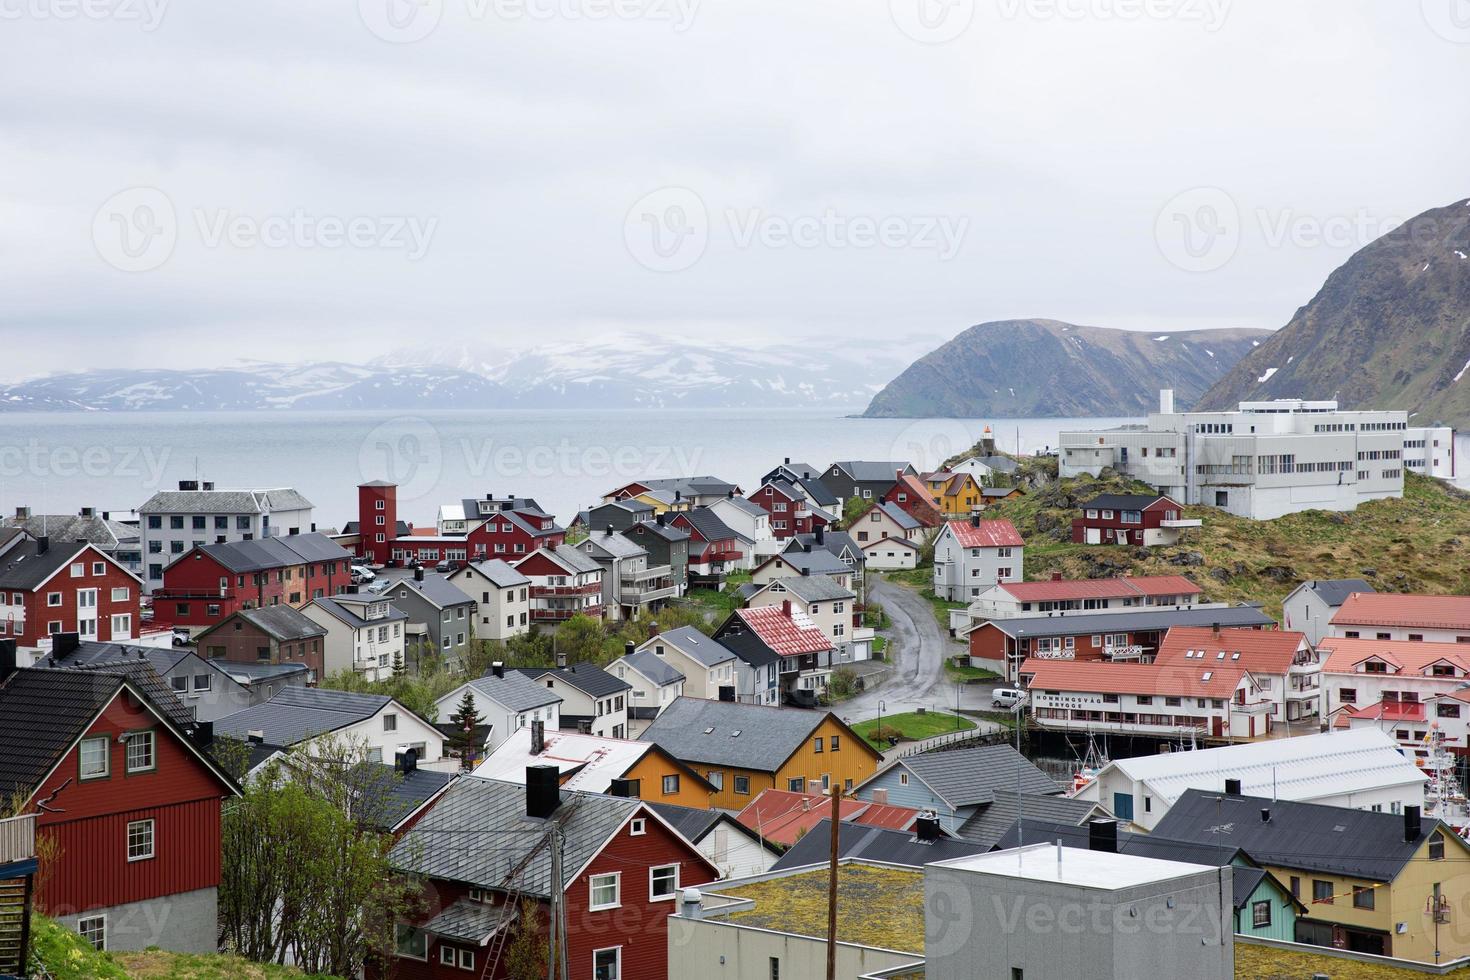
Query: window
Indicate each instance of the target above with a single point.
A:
(742, 785)
(120, 595)
(53, 598)
(1260, 914)
(412, 943)
(141, 757)
(607, 964)
(96, 757)
(179, 684)
(603, 891)
(447, 955)
(390, 723)
(1362, 896)
(833, 744)
(671, 784)
(1436, 846)
(775, 968)
(203, 682)
(1321, 892)
(637, 828)
(663, 882)
(1296, 887)
(817, 744)
(93, 929)
(140, 840)
(717, 780)
(903, 779)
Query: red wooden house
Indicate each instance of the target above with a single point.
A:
(1139, 519)
(714, 547)
(623, 868)
(471, 530)
(917, 500)
(792, 512)
(565, 582)
(113, 768)
(48, 588)
(213, 581)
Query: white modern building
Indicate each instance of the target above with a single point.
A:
(171, 522)
(1430, 451)
(1264, 460)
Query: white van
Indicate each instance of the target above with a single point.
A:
(1006, 697)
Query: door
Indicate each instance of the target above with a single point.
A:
(1094, 536)
(1219, 728)
(1123, 806)
(87, 614)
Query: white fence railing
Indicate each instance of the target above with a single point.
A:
(18, 838)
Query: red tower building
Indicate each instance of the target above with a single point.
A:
(377, 520)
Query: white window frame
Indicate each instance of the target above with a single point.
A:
(617, 951)
(82, 773)
(151, 828)
(100, 943)
(637, 828)
(151, 738)
(673, 892)
(593, 885)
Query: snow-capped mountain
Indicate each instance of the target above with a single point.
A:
(622, 371)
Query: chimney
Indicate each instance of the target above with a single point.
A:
(786, 608)
(628, 648)
(1102, 835)
(203, 734)
(926, 827)
(1265, 814)
(207, 486)
(406, 761)
(1056, 576)
(786, 461)
(678, 495)
(622, 787)
(974, 520)
(538, 736)
(1166, 401)
(255, 736)
(8, 660)
(64, 645)
(1411, 823)
(821, 535)
(23, 513)
(727, 693)
(561, 659)
(659, 519)
(729, 494)
(107, 515)
(188, 484)
(543, 791)
(1232, 787)
(1215, 628)
(497, 669)
(89, 512)
(43, 544)
(807, 548)
(690, 903)
(418, 574)
(609, 530)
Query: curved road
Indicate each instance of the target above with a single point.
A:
(917, 679)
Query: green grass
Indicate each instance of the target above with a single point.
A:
(913, 726)
(880, 643)
(66, 957)
(964, 673)
(721, 603)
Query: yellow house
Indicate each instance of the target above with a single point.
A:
(954, 493)
(1373, 881)
(742, 749)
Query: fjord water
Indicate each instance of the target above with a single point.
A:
(566, 459)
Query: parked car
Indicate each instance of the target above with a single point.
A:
(361, 573)
(1006, 697)
(180, 637)
(380, 586)
(444, 567)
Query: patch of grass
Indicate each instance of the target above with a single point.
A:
(880, 906)
(880, 643)
(964, 673)
(1262, 962)
(721, 604)
(912, 726)
(67, 957)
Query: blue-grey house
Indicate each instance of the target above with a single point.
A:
(957, 784)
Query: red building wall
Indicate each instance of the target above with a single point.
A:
(180, 794)
(368, 525)
(766, 498)
(39, 614)
(1152, 516)
(191, 594)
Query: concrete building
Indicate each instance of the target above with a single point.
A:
(1053, 911)
(171, 522)
(1430, 451)
(1311, 605)
(1392, 616)
(503, 606)
(1262, 461)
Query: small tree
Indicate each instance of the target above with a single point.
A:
(465, 719)
(398, 668)
(526, 956)
(852, 509)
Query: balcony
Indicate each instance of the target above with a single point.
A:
(17, 839)
(1183, 522)
(560, 615)
(647, 574)
(650, 593)
(544, 591)
(723, 554)
(1253, 708)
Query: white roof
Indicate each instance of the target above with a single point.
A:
(1078, 866)
(1308, 767)
(602, 759)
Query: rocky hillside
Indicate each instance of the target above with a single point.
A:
(1389, 329)
(1048, 369)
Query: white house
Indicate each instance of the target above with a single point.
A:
(365, 633)
(753, 524)
(654, 684)
(1282, 662)
(593, 701)
(503, 598)
(506, 702)
(885, 520)
(1016, 600)
(1362, 770)
(1390, 616)
(1310, 606)
(970, 556)
(1358, 674)
(707, 664)
(888, 553)
(323, 719)
(828, 605)
(809, 560)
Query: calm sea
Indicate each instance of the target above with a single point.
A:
(62, 462)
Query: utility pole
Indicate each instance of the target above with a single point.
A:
(836, 792)
(553, 926)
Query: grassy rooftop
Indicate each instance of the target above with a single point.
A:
(875, 906)
(1264, 963)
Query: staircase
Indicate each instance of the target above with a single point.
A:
(15, 900)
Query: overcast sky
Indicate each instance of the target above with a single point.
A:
(187, 184)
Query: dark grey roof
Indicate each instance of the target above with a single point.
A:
(1000, 464)
(750, 507)
(964, 777)
(615, 545)
(727, 733)
(746, 644)
(654, 667)
(501, 573)
(708, 524)
(515, 691)
(163, 659)
(696, 645)
(588, 678)
(868, 471)
(703, 486)
(694, 823)
(811, 588)
(630, 505)
(858, 842)
(898, 515)
(576, 560)
(258, 554)
(386, 797)
(104, 533)
(997, 491)
(1132, 621)
(282, 623)
(747, 590)
(23, 568)
(296, 714)
(224, 501)
(472, 922)
(344, 607)
(1121, 501)
(435, 588)
(1330, 839)
(992, 822)
(666, 531)
(818, 561)
(1141, 845)
(246, 672)
(832, 541)
(478, 834)
(1334, 592)
(140, 672)
(816, 492)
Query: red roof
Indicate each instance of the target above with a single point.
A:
(1259, 651)
(987, 534)
(1124, 587)
(920, 502)
(1115, 678)
(783, 632)
(1446, 612)
(783, 817)
(1385, 711)
(1341, 656)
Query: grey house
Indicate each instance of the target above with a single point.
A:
(204, 689)
(620, 514)
(1311, 605)
(863, 478)
(631, 583)
(448, 614)
(665, 546)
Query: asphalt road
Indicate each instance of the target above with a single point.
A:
(917, 679)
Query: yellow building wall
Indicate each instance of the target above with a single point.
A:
(853, 762)
(659, 507)
(650, 772)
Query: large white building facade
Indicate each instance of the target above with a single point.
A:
(1266, 459)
